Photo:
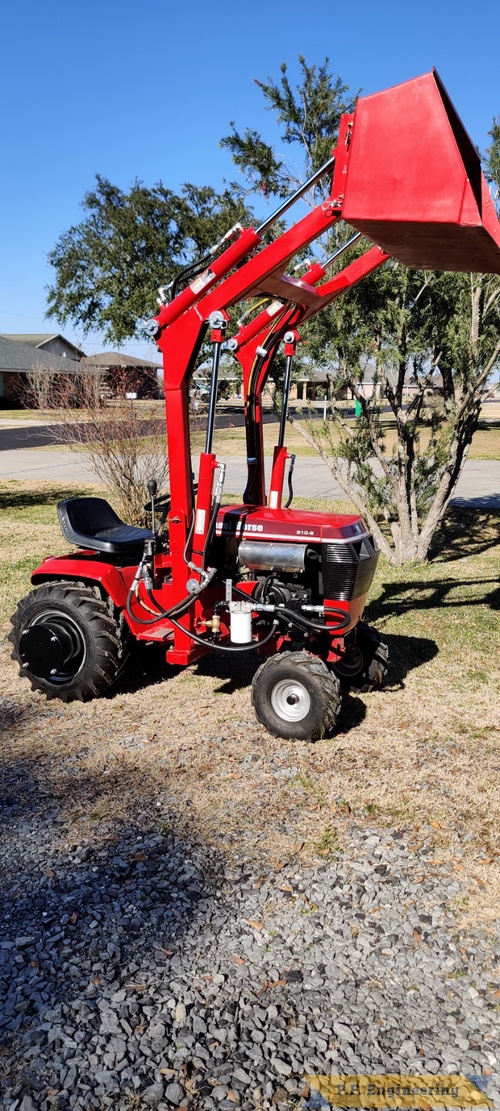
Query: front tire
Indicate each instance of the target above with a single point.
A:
(375, 659)
(295, 696)
(68, 641)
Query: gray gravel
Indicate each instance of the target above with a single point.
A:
(147, 973)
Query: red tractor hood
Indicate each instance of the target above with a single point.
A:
(247, 521)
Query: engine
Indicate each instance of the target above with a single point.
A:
(297, 559)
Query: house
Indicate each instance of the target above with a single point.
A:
(315, 385)
(126, 373)
(51, 343)
(18, 360)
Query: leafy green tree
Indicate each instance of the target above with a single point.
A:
(414, 330)
(308, 117)
(492, 162)
(109, 266)
(430, 342)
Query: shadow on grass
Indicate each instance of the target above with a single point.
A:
(406, 654)
(30, 499)
(465, 531)
(232, 673)
(399, 598)
(12, 713)
(147, 665)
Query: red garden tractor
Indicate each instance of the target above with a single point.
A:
(260, 576)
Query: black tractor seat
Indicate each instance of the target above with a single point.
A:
(93, 523)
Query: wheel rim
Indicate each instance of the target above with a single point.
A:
(290, 700)
(350, 665)
(53, 647)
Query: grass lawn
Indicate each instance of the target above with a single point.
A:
(231, 440)
(422, 756)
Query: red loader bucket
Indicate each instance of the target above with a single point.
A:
(412, 181)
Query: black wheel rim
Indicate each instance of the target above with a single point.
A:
(53, 647)
(350, 665)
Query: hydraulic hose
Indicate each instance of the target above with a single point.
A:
(190, 271)
(179, 609)
(210, 532)
(290, 485)
(301, 621)
(184, 604)
(251, 647)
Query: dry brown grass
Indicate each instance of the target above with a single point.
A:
(422, 756)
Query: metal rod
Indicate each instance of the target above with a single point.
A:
(345, 247)
(295, 196)
(286, 395)
(212, 402)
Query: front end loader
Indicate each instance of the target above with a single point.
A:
(260, 576)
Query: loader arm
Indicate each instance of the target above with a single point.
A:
(405, 174)
(264, 334)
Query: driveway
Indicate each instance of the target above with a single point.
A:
(479, 484)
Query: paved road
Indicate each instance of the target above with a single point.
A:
(479, 484)
(14, 434)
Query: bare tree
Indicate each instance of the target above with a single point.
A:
(123, 440)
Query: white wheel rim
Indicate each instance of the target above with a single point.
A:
(290, 700)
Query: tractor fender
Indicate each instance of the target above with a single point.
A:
(114, 581)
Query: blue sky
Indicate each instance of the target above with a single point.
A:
(147, 89)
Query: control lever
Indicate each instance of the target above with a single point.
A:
(290, 487)
(152, 490)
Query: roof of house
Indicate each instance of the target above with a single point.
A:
(22, 358)
(34, 339)
(38, 339)
(107, 360)
(368, 371)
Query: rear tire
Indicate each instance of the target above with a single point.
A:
(375, 656)
(295, 696)
(69, 641)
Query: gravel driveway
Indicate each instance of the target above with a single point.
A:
(146, 972)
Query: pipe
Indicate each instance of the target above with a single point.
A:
(295, 196)
(286, 394)
(341, 250)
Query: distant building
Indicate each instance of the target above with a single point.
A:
(18, 360)
(315, 385)
(126, 373)
(51, 343)
(22, 355)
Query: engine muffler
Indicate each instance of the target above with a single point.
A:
(261, 555)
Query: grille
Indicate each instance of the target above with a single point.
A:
(348, 569)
